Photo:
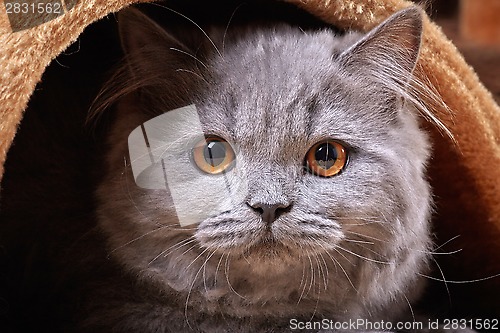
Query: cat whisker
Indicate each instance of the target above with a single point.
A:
(411, 308)
(365, 236)
(326, 272)
(190, 55)
(441, 253)
(192, 72)
(189, 249)
(194, 23)
(370, 250)
(217, 268)
(363, 257)
(343, 256)
(445, 243)
(205, 268)
(197, 257)
(137, 238)
(320, 268)
(139, 157)
(360, 224)
(226, 272)
(444, 279)
(172, 248)
(110, 93)
(462, 281)
(320, 274)
(311, 284)
(202, 268)
(367, 220)
(302, 282)
(338, 264)
(228, 24)
(157, 148)
(434, 251)
(186, 306)
(167, 146)
(246, 259)
(363, 218)
(358, 241)
(304, 279)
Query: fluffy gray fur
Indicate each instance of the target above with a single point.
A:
(350, 246)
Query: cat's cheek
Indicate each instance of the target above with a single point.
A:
(138, 223)
(230, 232)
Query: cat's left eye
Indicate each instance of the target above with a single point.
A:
(213, 155)
(326, 158)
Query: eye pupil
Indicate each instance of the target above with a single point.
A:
(214, 153)
(326, 155)
(326, 158)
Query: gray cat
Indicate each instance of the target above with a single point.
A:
(291, 179)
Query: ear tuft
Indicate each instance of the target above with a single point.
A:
(395, 42)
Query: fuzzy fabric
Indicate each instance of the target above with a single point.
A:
(465, 173)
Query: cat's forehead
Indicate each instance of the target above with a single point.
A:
(281, 88)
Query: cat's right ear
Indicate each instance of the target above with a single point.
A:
(137, 31)
(141, 37)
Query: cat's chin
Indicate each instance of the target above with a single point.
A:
(266, 259)
(268, 250)
(269, 255)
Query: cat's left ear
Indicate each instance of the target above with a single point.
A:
(391, 47)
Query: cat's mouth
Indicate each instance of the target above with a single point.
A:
(269, 253)
(285, 238)
(255, 239)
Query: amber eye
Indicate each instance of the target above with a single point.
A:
(213, 155)
(326, 158)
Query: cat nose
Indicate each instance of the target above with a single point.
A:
(270, 212)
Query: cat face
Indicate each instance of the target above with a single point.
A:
(310, 145)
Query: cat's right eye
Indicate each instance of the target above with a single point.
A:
(213, 155)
